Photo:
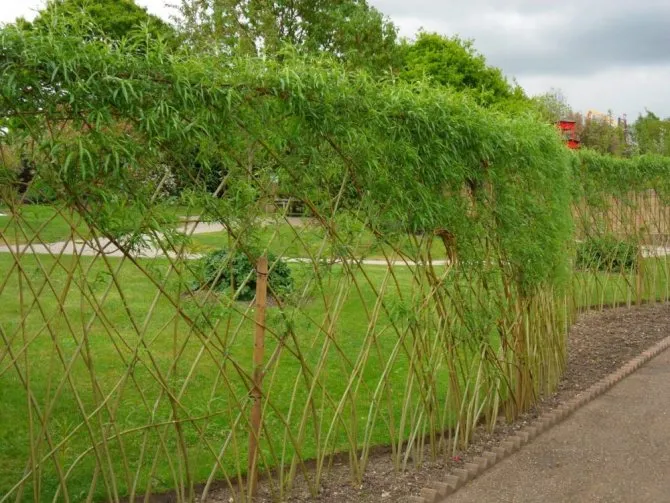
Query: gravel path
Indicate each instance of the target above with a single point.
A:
(615, 449)
(109, 249)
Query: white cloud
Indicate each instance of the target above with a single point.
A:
(624, 90)
(11, 9)
(158, 7)
(604, 54)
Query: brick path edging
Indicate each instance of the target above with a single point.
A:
(437, 492)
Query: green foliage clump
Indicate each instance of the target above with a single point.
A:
(455, 63)
(224, 270)
(113, 19)
(408, 155)
(351, 31)
(552, 106)
(652, 134)
(607, 254)
(598, 174)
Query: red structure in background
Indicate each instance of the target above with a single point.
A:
(569, 133)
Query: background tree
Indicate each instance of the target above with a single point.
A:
(652, 134)
(113, 19)
(350, 30)
(95, 21)
(455, 63)
(553, 106)
(603, 134)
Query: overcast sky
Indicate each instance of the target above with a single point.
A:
(603, 54)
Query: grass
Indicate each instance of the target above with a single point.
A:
(39, 223)
(47, 223)
(126, 364)
(311, 240)
(137, 367)
(601, 289)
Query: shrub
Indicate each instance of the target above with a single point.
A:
(607, 253)
(220, 271)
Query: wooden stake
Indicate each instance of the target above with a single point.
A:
(639, 258)
(638, 275)
(256, 391)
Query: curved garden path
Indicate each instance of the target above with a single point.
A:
(106, 247)
(192, 227)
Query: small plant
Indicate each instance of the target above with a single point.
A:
(224, 271)
(607, 253)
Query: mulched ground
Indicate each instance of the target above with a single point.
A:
(598, 344)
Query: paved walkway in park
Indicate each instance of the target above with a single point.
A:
(104, 246)
(109, 249)
(192, 227)
(614, 449)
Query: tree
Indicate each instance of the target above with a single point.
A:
(553, 106)
(595, 131)
(455, 63)
(113, 19)
(603, 134)
(350, 30)
(652, 134)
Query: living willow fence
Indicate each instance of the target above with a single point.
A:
(427, 289)
(622, 230)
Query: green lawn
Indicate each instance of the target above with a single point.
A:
(40, 224)
(599, 289)
(46, 224)
(140, 368)
(130, 349)
(310, 240)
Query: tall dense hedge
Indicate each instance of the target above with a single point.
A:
(416, 159)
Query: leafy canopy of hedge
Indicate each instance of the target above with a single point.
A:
(404, 156)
